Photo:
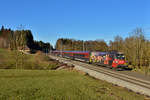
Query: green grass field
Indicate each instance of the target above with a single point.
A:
(58, 85)
(37, 61)
(22, 83)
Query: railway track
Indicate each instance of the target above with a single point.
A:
(134, 83)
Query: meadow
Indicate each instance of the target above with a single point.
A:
(35, 79)
(58, 85)
(8, 60)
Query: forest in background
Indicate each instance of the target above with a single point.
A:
(135, 47)
(21, 40)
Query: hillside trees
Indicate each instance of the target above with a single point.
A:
(23, 40)
(135, 47)
(80, 45)
(117, 44)
(4, 37)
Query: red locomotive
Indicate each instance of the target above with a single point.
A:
(112, 59)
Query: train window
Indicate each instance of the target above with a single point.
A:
(120, 56)
(79, 55)
(67, 54)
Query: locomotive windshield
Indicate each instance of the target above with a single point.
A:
(120, 56)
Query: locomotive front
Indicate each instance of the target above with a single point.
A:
(119, 61)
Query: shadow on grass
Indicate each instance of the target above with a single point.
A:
(128, 69)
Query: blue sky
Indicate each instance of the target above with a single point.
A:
(78, 19)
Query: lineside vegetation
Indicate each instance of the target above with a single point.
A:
(22, 83)
(58, 85)
(9, 60)
(136, 48)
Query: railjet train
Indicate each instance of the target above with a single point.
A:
(112, 59)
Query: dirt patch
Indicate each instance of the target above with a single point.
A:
(61, 66)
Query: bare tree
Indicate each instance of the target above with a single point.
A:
(22, 43)
(17, 42)
(14, 46)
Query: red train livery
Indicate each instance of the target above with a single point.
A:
(112, 59)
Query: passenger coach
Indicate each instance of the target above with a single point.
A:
(112, 59)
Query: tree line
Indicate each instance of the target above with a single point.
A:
(21, 40)
(66, 44)
(135, 47)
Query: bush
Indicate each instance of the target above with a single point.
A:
(37, 61)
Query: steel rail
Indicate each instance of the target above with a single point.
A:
(140, 83)
(121, 76)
